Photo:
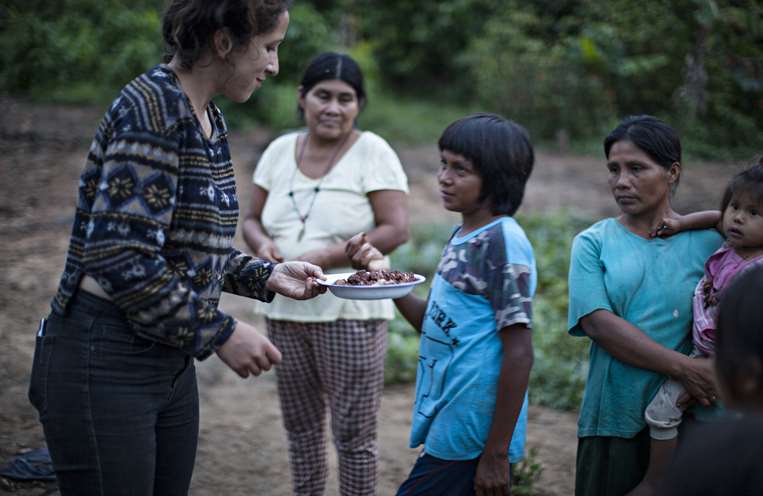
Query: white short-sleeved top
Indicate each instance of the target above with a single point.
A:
(341, 209)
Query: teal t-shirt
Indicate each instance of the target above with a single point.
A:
(649, 283)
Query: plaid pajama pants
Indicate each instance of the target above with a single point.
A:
(342, 363)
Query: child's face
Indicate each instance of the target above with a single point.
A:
(743, 224)
(460, 183)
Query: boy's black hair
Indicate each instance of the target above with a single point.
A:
(740, 327)
(651, 135)
(748, 181)
(501, 152)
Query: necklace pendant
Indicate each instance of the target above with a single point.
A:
(301, 233)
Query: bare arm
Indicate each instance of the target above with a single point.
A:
(493, 468)
(254, 234)
(708, 219)
(392, 229)
(412, 308)
(630, 345)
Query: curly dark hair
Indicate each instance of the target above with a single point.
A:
(188, 25)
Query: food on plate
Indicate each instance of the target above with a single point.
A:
(376, 278)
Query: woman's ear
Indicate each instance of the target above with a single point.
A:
(222, 43)
(674, 173)
(300, 97)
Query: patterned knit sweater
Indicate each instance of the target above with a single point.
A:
(156, 218)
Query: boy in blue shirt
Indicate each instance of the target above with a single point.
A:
(475, 352)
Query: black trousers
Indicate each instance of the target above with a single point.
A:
(120, 413)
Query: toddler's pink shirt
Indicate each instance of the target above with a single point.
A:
(720, 269)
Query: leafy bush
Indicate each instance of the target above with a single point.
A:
(560, 368)
(561, 361)
(525, 474)
(555, 92)
(77, 50)
(402, 353)
(420, 44)
(566, 69)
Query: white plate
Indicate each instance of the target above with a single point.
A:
(377, 292)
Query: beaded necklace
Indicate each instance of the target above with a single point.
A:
(303, 217)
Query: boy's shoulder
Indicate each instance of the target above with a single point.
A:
(517, 247)
(502, 241)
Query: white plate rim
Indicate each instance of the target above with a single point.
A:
(344, 275)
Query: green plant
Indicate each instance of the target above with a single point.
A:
(402, 353)
(561, 361)
(82, 50)
(525, 474)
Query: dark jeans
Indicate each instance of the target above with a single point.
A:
(120, 413)
(432, 476)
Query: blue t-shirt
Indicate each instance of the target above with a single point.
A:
(484, 282)
(649, 283)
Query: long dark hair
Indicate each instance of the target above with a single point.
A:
(188, 25)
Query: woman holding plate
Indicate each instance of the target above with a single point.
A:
(312, 191)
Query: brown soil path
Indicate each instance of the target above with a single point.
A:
(242, 446)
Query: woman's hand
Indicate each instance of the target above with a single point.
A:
(296, 280)
(492, 477)
(362, 254)
(698, 378)
(269, 251)
(248, 352)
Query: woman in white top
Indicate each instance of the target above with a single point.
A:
(312, 191)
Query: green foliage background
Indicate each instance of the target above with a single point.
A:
(566, 69)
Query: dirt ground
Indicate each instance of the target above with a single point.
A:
(242, 445)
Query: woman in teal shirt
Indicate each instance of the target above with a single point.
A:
(630, 293)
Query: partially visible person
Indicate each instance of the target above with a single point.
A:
(630, 294)
(475, 352)
(742, 224)
(724, 458)
(113, 376)
(313, 189)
